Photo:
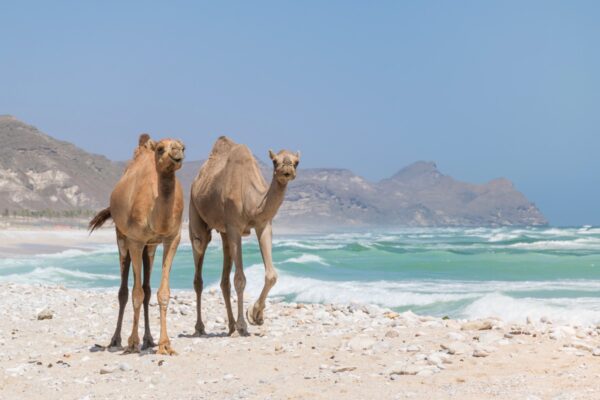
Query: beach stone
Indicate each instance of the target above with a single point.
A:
(480, 353)
(392, 334)
(46, 313)
(343, 369)
(596, 352)
(391, 314)
(490, 337)
(413, 348)
(361, 342)
(456, 336)
(107, 370)
(479, 325)
(124, 367)
(381, 347)
(579, 345)
(426, 372)
(406, 369)
(456, 348)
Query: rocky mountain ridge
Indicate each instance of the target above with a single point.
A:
(38, 172)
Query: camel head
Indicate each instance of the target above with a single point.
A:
(284, 165)
(169, 155)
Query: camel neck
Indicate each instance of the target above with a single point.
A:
(165, 202)
(272, 200)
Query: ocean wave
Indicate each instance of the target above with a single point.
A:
(317, 291)
(579, 311)
(55, 275)
(306, 259)
(306, 245)
(576, 244)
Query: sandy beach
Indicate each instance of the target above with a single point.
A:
(303, 351)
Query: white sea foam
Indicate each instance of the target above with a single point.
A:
(579, 311)
(318, 291)
(307, 245)
(55, 275)
(306, 259)
(577, 244)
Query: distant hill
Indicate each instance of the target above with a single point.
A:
(38, 172)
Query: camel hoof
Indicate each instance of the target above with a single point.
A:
(115, 343)
(199, 330)
(148, 344)
(131, 350)
(166, 349)
(254, 317)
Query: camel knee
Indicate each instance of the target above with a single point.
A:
(270, 279)
(239, 281)
(147, 293)
(137, 297)
(225, 283)
(163, 297)
(200, 243)
(123, 295)
(198, 283)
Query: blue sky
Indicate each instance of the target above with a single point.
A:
(484, 88)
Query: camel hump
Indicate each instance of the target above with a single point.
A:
(223, 145)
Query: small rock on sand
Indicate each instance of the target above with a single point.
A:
(361, 342)
(456, 348)
(46, 313)
(476, 325)
(106, 370)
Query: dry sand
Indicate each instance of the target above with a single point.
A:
(302, 351)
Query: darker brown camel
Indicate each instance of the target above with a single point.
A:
(231, 196)
(146, 206)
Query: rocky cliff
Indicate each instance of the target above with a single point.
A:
(38, 172)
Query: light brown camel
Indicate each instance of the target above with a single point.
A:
(230, 195)
(146, 206)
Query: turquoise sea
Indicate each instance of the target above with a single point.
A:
(459, 272)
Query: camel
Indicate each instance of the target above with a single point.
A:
(231, 196)
(146, 206)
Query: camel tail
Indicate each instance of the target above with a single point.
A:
(99, 220)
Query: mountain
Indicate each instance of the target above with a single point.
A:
(38, 172)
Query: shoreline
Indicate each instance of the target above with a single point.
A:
(302, 351)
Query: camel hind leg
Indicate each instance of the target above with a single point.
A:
(148, 261)
(226, 282)
(125, 263)
(200, 237)
(239, 279)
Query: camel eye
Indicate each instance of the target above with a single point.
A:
(160, 150)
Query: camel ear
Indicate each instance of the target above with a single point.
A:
(272, 155)
(151, 144)
(298, 155)
(144, 137)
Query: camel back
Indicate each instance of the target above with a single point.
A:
(239, 161)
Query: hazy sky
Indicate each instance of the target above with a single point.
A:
(485, 89)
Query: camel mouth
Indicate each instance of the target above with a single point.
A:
(287, 174)
(176, 160)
